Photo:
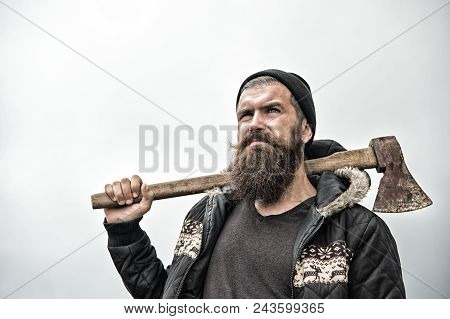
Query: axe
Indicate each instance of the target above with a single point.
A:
(398, 192)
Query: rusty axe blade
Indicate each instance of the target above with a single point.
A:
(398, 191)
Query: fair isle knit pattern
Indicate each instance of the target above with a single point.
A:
(325, 265)
(190, 239)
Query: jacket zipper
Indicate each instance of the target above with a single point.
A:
(298, 252)
(184, 278)
(194, 260)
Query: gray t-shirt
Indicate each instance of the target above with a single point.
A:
(253, 254)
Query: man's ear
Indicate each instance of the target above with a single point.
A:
(306, 131)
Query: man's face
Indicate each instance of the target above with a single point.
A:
(270, 141)
(269, 109)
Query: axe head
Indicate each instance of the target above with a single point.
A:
(398, 192)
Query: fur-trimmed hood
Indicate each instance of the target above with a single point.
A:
(341, 189)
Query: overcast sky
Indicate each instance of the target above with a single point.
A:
(78, 79)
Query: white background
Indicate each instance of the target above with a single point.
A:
(67, 128)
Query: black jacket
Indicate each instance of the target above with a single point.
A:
(343, 250)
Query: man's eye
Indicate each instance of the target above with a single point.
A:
(273, 110)
(244, 115)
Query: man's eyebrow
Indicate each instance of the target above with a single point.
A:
(271, 104)
(242, 111)
(264, 107)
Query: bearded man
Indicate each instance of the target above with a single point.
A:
(275, 232)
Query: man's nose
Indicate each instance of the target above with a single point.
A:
(258, 122)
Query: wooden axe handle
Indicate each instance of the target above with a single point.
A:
(362, 158)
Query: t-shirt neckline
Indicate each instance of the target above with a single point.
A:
(303, 205)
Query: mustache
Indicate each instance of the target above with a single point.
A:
(256, 135)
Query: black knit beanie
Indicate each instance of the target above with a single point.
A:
(298, 87)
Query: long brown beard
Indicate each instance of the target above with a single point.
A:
(263, 172)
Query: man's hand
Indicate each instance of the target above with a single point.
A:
(123, 193)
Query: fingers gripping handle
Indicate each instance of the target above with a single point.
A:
(101, 200)
(171, 189)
